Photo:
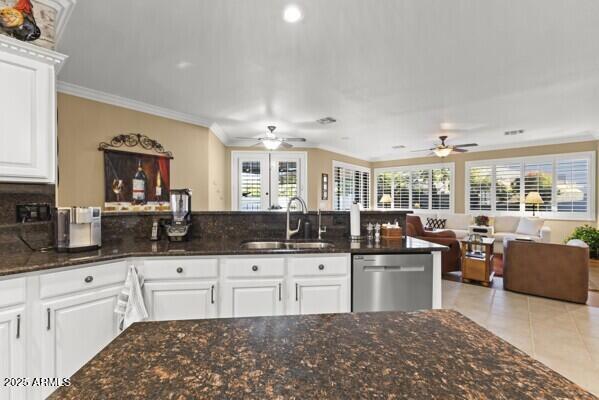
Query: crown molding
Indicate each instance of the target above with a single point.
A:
(107, 98)
(32, 51)
(220, 133)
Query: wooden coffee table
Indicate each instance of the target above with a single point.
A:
(478, 266)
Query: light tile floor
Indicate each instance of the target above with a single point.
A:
(563, 336)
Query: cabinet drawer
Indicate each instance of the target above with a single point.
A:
(301, 266)
(12, 291)
(59, 283)
(253, 267)
(178, 269)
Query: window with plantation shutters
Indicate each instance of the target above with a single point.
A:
(481, 183)
(422, 187)
(565, 183)
(351, 184)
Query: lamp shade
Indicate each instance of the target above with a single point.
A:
(386, 199)
(533, 198)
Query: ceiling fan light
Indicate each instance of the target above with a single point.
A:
(271, 144)
(443, 152)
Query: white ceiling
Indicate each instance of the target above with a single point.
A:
(390, 71)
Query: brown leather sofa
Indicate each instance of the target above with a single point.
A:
(450, 259)
(545, 269)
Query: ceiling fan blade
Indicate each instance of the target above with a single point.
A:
(458, 150)
(466, 145)
(292, 139)
(257, 144)
(417, 151)
(246, 138)
(286, 145)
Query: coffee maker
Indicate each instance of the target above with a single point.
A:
(180, 227)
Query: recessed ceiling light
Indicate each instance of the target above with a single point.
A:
(326, 120)
(398, 147)
(184, 64)
(514, 133)
(292, 14)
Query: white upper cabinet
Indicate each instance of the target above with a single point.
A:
(27, 112)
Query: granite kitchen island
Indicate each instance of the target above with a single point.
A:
(430, 354)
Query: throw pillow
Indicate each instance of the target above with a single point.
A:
(435, 223)
(530, 226)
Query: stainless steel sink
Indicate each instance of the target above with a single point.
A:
(273, 245)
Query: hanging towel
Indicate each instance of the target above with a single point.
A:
(130, 305)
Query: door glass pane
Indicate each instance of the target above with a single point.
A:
(480, 188)
(538, 177)
(250, 186)
(441, 190)
(572, 186)
(287, 184)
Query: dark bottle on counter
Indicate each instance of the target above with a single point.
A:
(307, 229)
(140, 184)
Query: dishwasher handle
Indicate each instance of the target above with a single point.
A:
(393, 268)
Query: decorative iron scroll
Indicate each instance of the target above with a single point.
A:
(135, 139)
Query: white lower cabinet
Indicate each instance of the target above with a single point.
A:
(319, 296)
(12, 351)
(252, 298)
(181, 300)
(75, 329)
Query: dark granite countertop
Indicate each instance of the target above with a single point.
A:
(432, 354)
(36, 261)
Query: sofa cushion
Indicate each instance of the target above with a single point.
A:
(435, 223)
(506, 223)
(457, 221)
(529, 226)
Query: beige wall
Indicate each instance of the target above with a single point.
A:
(218, 184)
(319, 162)
(560, 229)
(83, 124)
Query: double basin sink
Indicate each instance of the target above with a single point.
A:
(283, 245)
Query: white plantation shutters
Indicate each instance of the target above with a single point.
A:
(538, 177)
(507, 187)
(351, 185)
(425, 187)
(566, 183)
(572, 186)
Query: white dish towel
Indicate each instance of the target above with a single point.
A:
(130, 305)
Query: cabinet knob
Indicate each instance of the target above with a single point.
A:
(321, 267)
(180, 270)
(254, 268)
(88, 279)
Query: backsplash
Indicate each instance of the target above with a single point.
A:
(243, 225)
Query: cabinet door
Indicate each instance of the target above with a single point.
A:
(319, 296)
(27, 120)
(76, 328)
(252, 298)
(180, 300)
(12, 350)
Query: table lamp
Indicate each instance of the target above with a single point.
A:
(535, 199)
(386, 199)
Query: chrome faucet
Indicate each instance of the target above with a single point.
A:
(321, 228)
(291, 232)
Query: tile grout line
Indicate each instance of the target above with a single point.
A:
(532, 333)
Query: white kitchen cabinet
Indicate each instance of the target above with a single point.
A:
(181, 300)
(252, 298)
(319, 296)
(75, 328)
(12, 351)
(27, 112)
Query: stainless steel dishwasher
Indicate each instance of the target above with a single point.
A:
(392, 282)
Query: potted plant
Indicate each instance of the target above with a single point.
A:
(481, 220)
(589, 235)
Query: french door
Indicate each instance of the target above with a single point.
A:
(266, 181)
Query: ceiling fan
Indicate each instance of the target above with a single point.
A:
(272, 141)
(442, 150)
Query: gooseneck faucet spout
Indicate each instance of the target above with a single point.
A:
(290, 232)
